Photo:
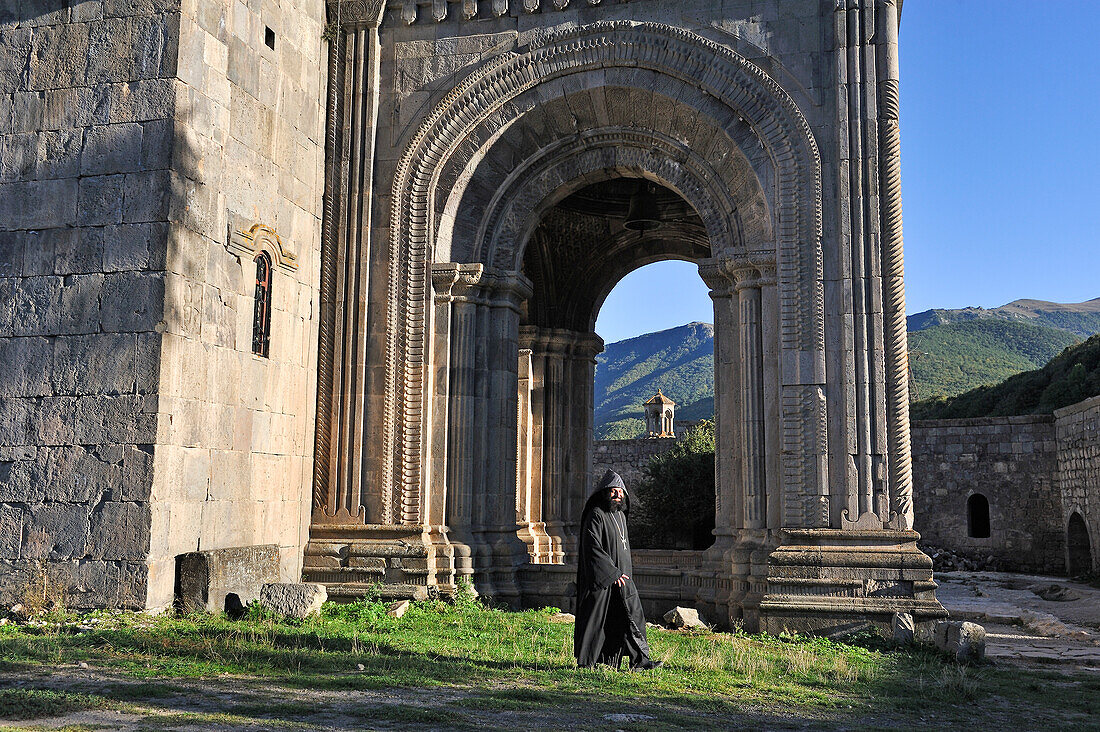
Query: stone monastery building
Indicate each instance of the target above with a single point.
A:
(324, 278)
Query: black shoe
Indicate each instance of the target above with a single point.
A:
(646, 665)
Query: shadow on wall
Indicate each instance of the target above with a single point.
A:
(37, 11)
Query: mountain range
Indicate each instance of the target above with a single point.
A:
(951, 352)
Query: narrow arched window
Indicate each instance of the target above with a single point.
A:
(977, 516)
(261, 319)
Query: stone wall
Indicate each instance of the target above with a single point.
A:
(234, 453)
(86, 101)
(1079, 466)
(135, 422)
(1013, 462)
(627, 457)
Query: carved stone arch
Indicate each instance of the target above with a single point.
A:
(598, 156)
(677, 53)
(689, 126)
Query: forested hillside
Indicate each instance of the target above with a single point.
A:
(1080, 318)
(680, 361)
(1072, 376)
(950, 359)
(952, 352)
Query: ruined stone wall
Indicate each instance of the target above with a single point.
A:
(1013, 462)
(1079, 465)
(627, 457)
(86, 97)
(234, 459)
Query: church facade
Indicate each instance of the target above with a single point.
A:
(325, 278)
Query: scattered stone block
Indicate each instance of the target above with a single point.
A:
(684, 618)
(563, 618)
(962, 640)
(204, 580)
(294, 599)
(397, 609)
(904, 628)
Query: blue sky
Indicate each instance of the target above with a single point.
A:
(1000, 167)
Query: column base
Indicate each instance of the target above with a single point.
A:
(835, 581)
(396, 561)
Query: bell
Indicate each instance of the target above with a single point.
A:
(642, 214)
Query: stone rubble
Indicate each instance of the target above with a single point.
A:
(683, 618)
(294, 599)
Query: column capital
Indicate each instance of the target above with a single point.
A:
(352, 13)
(750, 270)
(474, 282)
(710, 270)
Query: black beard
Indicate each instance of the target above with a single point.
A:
(614, 504)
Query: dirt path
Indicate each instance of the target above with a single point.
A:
(258, 704)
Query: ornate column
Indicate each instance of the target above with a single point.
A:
(498, 524)
(339, 493)
(728, 498)
(459, 300)
(862, 565)
(581, 364)
(893, 271)
(757, 388)
(553, 442)
(747, 286)
(529, 487)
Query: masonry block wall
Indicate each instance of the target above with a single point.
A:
(235, 445)
(86, 100)
(1079, 466)
(1013, 463)
(627, 457)
(135, 422)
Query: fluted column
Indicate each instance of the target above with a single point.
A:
(340, 494)
(530, 436)
(500, 525)
(728, 497)
(747, 287)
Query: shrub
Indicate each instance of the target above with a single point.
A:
(675, 500)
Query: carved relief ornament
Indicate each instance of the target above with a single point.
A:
(356, 12)
(249, 242)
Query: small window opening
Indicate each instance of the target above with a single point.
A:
(261, 320)
(977, 516)
(269, 38)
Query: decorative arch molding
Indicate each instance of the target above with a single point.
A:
(518, 206)
(248, 241)
(743, 87)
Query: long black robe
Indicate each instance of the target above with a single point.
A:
(610, 620)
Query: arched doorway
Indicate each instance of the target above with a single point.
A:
(579, 251)
(473, 346)
(1078, 546)
(977, 516)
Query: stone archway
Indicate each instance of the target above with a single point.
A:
(808, 501)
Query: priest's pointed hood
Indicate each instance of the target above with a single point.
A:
(610, 479)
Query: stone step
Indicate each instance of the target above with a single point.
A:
(357, 590)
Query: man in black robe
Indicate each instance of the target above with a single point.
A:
(610, 621)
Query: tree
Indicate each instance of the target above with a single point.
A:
(676, 495)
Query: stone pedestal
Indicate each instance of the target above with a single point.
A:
(351, 560)
(832, 581)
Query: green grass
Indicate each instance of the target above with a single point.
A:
(483, 667)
